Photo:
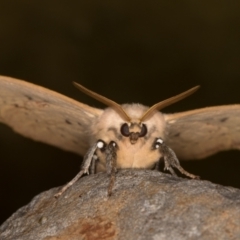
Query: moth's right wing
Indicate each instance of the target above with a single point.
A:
(202, 132)
(45, 115)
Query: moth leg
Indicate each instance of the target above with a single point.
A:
(88, 160)
(168, 166)
(157, 166)
(111, 164)
(93, 165)
(170, 159)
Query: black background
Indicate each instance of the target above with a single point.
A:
(128, 51)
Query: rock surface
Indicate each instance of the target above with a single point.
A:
(144, 205)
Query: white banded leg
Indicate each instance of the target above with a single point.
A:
(111, 164)
(170, 159)
(88, 163)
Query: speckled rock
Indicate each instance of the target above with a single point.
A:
(144, 205)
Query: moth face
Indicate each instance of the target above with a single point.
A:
(135, 139)
(133, 130)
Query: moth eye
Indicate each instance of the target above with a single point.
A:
(125, 130)
(143, 131)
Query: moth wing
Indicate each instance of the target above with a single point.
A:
(45, 115)
(199, 133)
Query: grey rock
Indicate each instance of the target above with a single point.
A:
(144, 205)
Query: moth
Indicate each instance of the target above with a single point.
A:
(120, 136)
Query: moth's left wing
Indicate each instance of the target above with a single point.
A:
(199, 133)
(45, 115)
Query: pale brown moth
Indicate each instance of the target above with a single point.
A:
(121, 136)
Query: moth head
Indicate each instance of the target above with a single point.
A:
(134, 127)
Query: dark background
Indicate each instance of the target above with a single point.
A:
(129, 51)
